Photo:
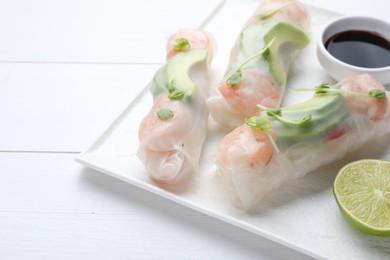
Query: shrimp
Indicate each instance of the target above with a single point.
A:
(256, 87)
(374, 108)
(164, 129)
(241, 157)
(197, 39)
(245, 145)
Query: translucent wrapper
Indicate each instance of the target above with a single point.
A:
(251, 168)
(283, 30)
(172, 134)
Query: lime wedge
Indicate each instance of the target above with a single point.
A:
(362, 192)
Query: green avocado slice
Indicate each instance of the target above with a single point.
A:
(326, 111)
(174, 76)
(283, 33)
(259, 34)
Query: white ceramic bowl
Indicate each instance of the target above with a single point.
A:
(338, 69)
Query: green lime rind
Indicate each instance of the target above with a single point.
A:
(362, 192)
(363, 226)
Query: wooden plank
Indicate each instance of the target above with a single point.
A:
(64, 107)
(117, 31)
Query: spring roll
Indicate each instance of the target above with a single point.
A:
(173, 132)
(284, 144)
(260, 60)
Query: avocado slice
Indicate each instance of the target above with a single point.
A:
(326, 111)
(259, 34)
(283, 33)
(174, 76)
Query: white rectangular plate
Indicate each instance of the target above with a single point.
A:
(302, 214)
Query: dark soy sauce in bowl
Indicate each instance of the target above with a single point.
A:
(360, 48)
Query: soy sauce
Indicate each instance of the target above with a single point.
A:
(360, 48)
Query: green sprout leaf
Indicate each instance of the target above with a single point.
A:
(165, 114)
(273, 111)
(180, 44)
(176, 94)
(258, 122)
(322, 89)
(377, 93)
(267, 54)
(234, 79)
(305, 119)
(173, 92)
(326, 89)
(271, 13)
(169, 86)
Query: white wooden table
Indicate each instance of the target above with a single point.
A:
(67, 69)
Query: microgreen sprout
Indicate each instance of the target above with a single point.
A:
(272, 12)
(376, 93)
(173, 92)
(263, 124)
(325, 88)
(277, 114)
(235, 78)
(180, 44)
(266, 54)
(258, 122)
(165, 114)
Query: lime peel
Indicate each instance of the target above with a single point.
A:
(362, 192)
